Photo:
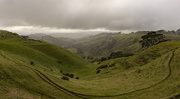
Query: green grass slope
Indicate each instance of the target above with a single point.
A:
(16, 55)
(38, 52)
(152, 73)
(103, 45)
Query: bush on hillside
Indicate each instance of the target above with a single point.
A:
(68, 74)
(71, 75)
(32, 63)
(77, 77)
(98, 71)
(119, 54)
(111, 65)
(102, 66)
(65, 78)
(114, 55)
(103, 59)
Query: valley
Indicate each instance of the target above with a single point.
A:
(89, 49)
(33, 69)
(103, 44)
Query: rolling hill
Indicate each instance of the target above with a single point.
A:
(103, 44)
(151, 73)
(59, 41)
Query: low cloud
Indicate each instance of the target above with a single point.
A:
(92, 14)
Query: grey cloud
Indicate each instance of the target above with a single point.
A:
(91, 14)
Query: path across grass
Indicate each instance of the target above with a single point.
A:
(80, 95)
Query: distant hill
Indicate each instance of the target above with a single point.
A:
(159, 31)
(71, 35)
(78, 35)
(103, 44)
(59, 41)
(37, 36)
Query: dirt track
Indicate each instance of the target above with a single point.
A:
(66, 91)
(49, 81)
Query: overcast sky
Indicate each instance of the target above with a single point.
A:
(76, 15)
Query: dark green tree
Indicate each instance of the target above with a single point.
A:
(115, 55)
(150, 39)
(103, 59)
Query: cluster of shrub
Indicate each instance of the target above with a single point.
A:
(104, 67)
(117, 54)
(113, 55)
(151, 39)
(66, 75)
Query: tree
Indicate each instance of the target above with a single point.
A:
(115, 55)
(103, 59)
(71, 75)
(150, 39)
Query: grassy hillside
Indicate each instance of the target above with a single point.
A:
(59, 41)
(152, 73)
(16, 55)
(48, 53)
(103, 45)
